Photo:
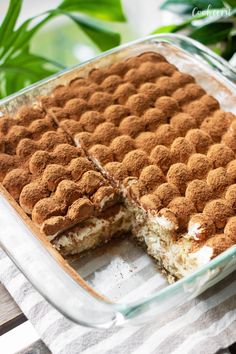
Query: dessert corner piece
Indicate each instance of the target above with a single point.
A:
(155, 154)
(53, 181)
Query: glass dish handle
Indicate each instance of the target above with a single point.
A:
(201, 52)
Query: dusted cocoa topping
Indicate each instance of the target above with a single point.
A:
(219, 211)
(48, 142)
(111, 83)
(179, 175)
(151, 201)
(180, 79)
(217, 124)
(90, 120)
(170, 216)
(183, 122)
(218, 180)
(201, 227)
(181, 149)
(183, 208)
(22, 142)
(62, 155)
(211, 103)
(230, 229)
(116, 113)
(31, 194)
(98, 75)
(15, 180)
(166, 134)
(152, 176)
(199, 139)
(104, 197)
(105, 133)
(54, 174)
(231, 171)
(229, 138)
(167, 105)
(61, 95)
(24, 127)
(118, 68)
(121, 146)
(152, 91)
(91, 181)
(153, 118)
(123, 92)
(166, 192)
(188, 93)
(199, 193)
(132, 126)
(220, 155)
(145, 57)
(69, 182)
(230, 196)
(117, 170)
(201, 108)
(71, 126)
(219, 243)
(102, 153)
(162, 157)
(138, 104)
(84, 139)
(135, 161)
(140, 125)
(50, 176)
(147, 141)
(77, 167)
(75, 108)
(100, 101)
(26, 115)
(199, 165)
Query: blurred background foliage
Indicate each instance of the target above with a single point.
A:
(44, 44)
(211, 22)
(20, 65)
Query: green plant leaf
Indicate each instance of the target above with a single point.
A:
(100, 34)
(8, 24)
(212, 33)
(108, 10)
(23, 70)
(26, 31)
(19, 67)
(231, 3)
(170, 28)
(229, 49)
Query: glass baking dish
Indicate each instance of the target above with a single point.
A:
(117, 283)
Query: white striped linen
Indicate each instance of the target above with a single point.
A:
(203, 325)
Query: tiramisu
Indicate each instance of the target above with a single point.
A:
(69, 200)
(137, 146)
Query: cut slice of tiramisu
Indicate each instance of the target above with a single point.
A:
(71, 203)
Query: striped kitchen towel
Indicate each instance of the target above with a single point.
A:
(201, 326)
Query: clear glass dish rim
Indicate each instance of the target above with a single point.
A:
(169, 38)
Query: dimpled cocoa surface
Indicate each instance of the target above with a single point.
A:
(47, 174)
(144, 121)
(141, 121)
